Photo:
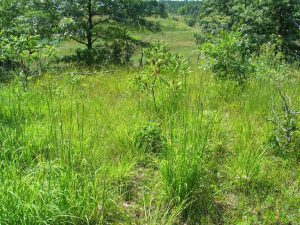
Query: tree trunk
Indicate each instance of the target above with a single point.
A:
(127, 57)
(90, 26)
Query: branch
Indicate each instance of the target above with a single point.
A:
(52, 14)
(99, 22)
(97, 37)
(81, 42)
(283, 97)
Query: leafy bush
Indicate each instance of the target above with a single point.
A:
(150, 138)
(24, 55)
(211, 26)
(160, 68)
(270, 63)
(227, 57)
(116, 53)
(175, 18)
(191, 22)
(97, 55)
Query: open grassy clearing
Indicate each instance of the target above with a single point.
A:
(70, 149)
(177, 34)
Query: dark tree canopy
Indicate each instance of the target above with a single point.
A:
(103, 26)
(88, 21)
(260, 21)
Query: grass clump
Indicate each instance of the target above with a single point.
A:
(187, 170)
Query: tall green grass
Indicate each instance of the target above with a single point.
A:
(68, 153)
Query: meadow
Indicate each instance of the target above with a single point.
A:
(85, 147)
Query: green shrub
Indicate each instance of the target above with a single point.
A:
(211, 26)
(226, 55)
(24, 57)
(175, 18)
(116, 53)
(270, 64)
(163, 69)
(150, 138)
(191, 22)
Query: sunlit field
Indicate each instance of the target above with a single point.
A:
(84, 145)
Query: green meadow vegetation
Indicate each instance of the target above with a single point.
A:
(187, 132)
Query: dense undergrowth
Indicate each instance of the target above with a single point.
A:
(93, 150)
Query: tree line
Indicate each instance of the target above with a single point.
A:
(101, 26)
(104, 27)
(259, 22)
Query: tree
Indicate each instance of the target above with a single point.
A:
(9, 15)
(285, 15)
(11, 38)
(21, 48)
(88, 21)
(21, 17)
(192, 9)
(259, 21)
